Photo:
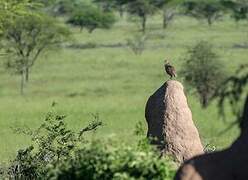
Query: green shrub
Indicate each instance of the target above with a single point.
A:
(59, 153)
(104, 161)
(52, 143)
(91, 18)
(203, 71)
(137, 43)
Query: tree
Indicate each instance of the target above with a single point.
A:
(203, 71)
(90, 17)
(238, 9)
(120, 5)
(137, 43)
(141, 8)
(105, 5)
(26, 37)
(59, 7)
(210, 10)
(64, 7)
(46, 3)
(168, 8)
(110, 5)
(9, 9)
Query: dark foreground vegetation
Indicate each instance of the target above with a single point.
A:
(59, 153)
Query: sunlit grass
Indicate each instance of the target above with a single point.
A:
(114, 82)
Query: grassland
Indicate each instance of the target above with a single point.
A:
(114, 82)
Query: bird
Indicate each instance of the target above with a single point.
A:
(169, 69)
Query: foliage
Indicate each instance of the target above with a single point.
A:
(203, 71)
(9, 9)
(59, 153)
(137, 43)
(232, 90)
(110, 5)
(104, 161)
(26, 37)
(210, 10)
(168, 8)
(52, 143)
(139, 129)
(61, 7)
(90, 17)
(120, 6)
(64, 7)
(238, 9)
(46, 2)
(106, 5)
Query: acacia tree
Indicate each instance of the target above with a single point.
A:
(105, 5)
(109, 5)
(168, 8)
(203, 71)
(59, 7)
(210, 10)
(26, 37)
(12, 8)
(120, 6)
(238, 9)
(142, 9)
(90, 17)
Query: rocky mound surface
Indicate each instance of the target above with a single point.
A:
(170, 124)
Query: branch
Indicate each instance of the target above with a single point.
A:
(36, 55)
(92, 126)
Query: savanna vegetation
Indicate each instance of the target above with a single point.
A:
(103, 59)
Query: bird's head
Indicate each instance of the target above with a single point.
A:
(166, 61)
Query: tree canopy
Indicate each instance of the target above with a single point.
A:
(25, 37)
(210, 10)
(91, 17)
(9, 9)
(203, 71)
(238, 9)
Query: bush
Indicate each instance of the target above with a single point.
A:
(59, 153)
(203, 71)
(104, 161)
(91, 18)
(137, 43)
(52, 143)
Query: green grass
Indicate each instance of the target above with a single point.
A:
(114, 82)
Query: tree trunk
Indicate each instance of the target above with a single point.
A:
(27, 74)
(164, 20)
(210, 21)
(144, 23)
(22, 81)
(91, 29)
(204, 100)
(121, 11)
